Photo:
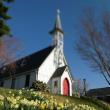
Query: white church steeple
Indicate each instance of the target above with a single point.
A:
(57, 34)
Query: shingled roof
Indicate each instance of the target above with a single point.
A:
(99, 92)
(28, 63)
(59, 71)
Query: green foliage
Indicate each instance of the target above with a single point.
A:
(40, 86)
(4, 28)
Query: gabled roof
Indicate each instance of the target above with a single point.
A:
(28, 63)
(59, 71)
(99, 92)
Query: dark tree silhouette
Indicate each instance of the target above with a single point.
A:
(4, 28)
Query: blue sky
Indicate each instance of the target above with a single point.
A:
(33, 19)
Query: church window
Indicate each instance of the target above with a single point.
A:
(27, 80)
(1, 84)
(56, 84)
(13, 83)
(56, 87)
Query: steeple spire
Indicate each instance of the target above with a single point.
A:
(57, 25)
(58, 21)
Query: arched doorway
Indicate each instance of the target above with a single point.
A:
(65, 87)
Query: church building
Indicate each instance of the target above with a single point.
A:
(48, 65)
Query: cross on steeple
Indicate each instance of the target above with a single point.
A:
(58, 11)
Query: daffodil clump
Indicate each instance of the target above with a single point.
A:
(37, 101)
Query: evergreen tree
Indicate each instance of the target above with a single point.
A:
(4, 28)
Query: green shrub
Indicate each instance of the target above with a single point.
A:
(40, 86)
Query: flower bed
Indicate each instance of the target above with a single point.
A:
(31, 100)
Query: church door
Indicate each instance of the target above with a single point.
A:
(66, 87)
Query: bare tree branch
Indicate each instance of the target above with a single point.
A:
(9, 47)
(95, 38)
